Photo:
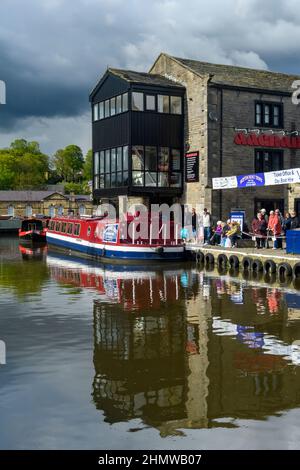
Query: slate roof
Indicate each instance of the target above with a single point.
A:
(241, 76)
(144, 78)
(35, 196)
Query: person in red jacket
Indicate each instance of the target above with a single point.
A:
(259, 228)
(275, 228)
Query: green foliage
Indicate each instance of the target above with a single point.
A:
(68, 163)
(77, 188)
(23, 166)
(88, 166)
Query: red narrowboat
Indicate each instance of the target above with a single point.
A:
(33, 230)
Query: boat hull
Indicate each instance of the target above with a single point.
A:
(32, 237)
(115, 252)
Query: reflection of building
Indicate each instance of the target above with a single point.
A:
(51, 203)
(182, 349)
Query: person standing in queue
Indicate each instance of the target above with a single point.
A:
(274, 226)
(206, 226)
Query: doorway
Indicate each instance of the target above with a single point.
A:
(269, 205)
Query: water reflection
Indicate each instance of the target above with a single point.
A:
(179, 348)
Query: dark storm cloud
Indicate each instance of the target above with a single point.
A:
(53, 51)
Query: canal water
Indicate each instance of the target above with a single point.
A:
(160, 357)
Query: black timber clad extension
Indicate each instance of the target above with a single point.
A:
(109, 86)
(111, 132)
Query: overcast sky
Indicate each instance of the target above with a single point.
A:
(52, 52)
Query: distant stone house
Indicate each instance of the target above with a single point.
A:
(50, 203)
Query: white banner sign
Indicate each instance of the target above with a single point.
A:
(226, 182)
(282, 177)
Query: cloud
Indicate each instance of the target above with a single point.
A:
(53, 52)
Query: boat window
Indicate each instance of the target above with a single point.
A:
(51, 225)
(63, 227)
(57, 227)
(70, 229)
(89, 231)
(77, 230)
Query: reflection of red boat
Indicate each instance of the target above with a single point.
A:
(36, 252)
(32, 230)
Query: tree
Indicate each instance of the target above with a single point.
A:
(88, 166)
(69, 162)
(23, 166)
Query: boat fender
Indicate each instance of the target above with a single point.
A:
(296, 271)
(270, 266)
(247, 263)
(234, 261)
(160, 250)
(284, 270)
(199, 257)
(257, 265)
(222, 260)
(209, 258)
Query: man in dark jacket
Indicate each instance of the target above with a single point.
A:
(294, 220)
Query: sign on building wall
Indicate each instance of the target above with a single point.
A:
(269, 178)
(192, 167)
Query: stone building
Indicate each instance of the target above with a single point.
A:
(235, 121)
(50, 203)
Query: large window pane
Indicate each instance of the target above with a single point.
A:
(101, 185)
(175, 159)
(276, 115)
(119, 179)
(267, 114)
(137, 101)
(125, 158)
(258, 114)
(163, 179)
(113, 181)
(137, 178)
(96, 112)
(176, 105)
(125, 178)
(137, 157)
(150, 158)
(119, 159)
(163, 105)
(163, 159)
(96, 163)
(150, 102)
(107, 161)
(125, 102)
(107, 113)
(102, 156)
(112, 106)
(96, 182)
(113, 160)
(175, 180)
(150, 178)
(119, 104)
(101, 110)
(107, 180)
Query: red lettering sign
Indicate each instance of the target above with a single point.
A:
(266, 140)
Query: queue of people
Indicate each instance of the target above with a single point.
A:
(264, 227)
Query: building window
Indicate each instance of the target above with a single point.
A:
(119, 104)
(175, 160)
(163, 158)
(138, 157)
(106, 109)
(150, 103)
(60, 210)
(96, 163)
(112, 106)
(137, 101)
(176, 106)
(101, 110)
(268, 114)
(125, 102)
(163, 103)
(266, 160)
(28, 211)
(81, 209)
(96, 112)
(125, 158)
(51, 211)
(11, 210)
